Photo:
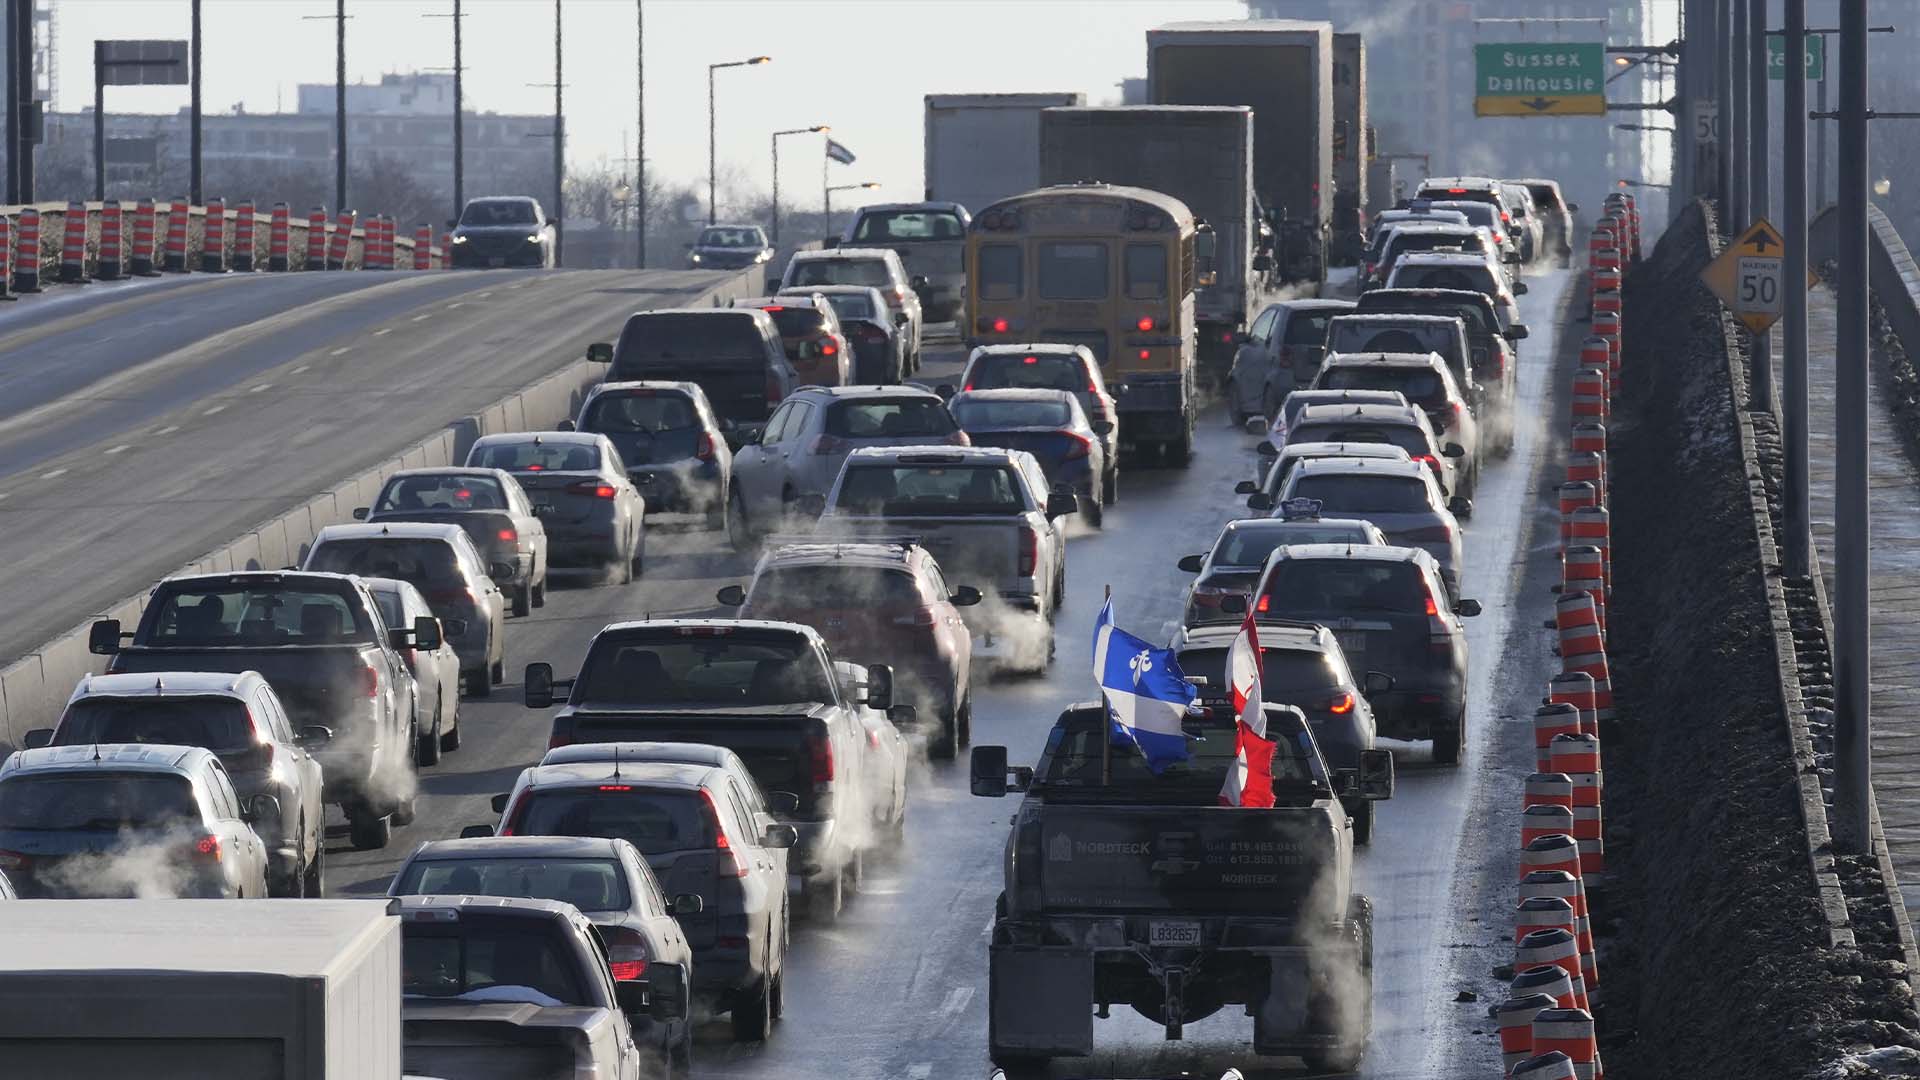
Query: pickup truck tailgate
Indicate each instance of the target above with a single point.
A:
(507, 1041)
(980, 551)
(1190, 860)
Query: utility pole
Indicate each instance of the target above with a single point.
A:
(1757, 162)
(559, 213)
(640, 143)
(1820, 148)
(1740, 210)
(196, 192)
(459, 113)
(1716, 17)
(1796, 546)
(21, 103)
(340, 106)
(13, 106)
(1852, 555)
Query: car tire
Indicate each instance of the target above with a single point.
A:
(523, 601)
(753, 1013)
(853, 872)
(478, 684)
(1110, 486)
(777, 997)
(743, 533)
(1446, 743)
(944, 744)
(1362, 815)
(405, 810)
(367, 830)
(680, 1054)
(539, 594)
(450, 738)
(825, 898)
(313, 882)
(1095, 513)
(426, 748)
(1179, 452)
(639, 560)
(497, 672)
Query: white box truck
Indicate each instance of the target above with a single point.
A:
(982, 148)
(1201, 155)
(1283, 70)
(190, 989)
(1351, 147)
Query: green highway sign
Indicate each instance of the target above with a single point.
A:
(1816, 56)
(1540, 78)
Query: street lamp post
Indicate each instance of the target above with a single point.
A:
(776, 170)
(868, 186)
(712, 155)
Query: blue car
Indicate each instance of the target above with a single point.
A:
(674, 448)
(1050, 425)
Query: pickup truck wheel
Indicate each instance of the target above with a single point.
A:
(478, 684)
(497, 672)
(753, 1013)
(450, 739)
(1362, 814)
(1110, 486)
(853, 872)
(1094, 513)
(539, 594)
(1446, 743)
(404, 811)
(313, 883)
(962, 725)
(426, 748)
(367, 830)
(523, 601)
(825, 897)
(680, 1054)
(1179, 452)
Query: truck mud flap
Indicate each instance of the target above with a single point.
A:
(1282, 1021)
(1040, 1001)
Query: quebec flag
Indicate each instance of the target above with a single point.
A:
(1145, 691)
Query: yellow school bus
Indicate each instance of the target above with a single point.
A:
(1112, 268)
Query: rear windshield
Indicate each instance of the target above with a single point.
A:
(1351, 495)
(1308, 328)
(815, 587)
(1297, 672)
(1077, 757)
(219, 724)
(654, 821)
(1422, 386)
(431, 562)
(1544, 196)
(872, 272)
(1041, 371)
(731, 238)
(723, 669)
(262, 614)
(977, 414)
(1410, 439)
(97, 802)
(1406, 241)
(485, 212)
(442, 493)
(881, 225)
(588, 884)
(1073, 270)
(531, 956)
(640, 410)
(1348, 586)
(1472, 278)
(852, 305)
(1354, 337)
(882, 418)
(907, 490)
(688, 335)
(1250, 547)
(1478, 213)
(530, 456)
(796, 321)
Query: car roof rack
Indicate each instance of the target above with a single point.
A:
(774, 541)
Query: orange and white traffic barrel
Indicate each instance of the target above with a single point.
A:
(6, 258)
(1548, 789)
(1550, 720)
(1577, 622)
(110, 263)
(1549, 1066)
(1594, 664)
(1570, 1032)
(1561, 852)
(1606, 281)
(1606, 325)
(1559, 948)
(423, 247)
(1575, 688)
(1589, 437)
(1606, 301)
(317, 238)
(279, 239)
(73, 244)
(1544, 820)
(178, 211)
(141, 258)
(1565, 886)
(1515, 1016)
(26, 251)
(213, 238)
(1546, 979)
(1592, 526)
(1574, 494)
(1542, 913)
(243, 228)
(1581, 571)
(1591, 392)
(341, 241)
(1591, 467)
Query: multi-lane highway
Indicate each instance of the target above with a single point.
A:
(898, 987)
(143, 424)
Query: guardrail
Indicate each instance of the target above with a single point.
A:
(34, 689)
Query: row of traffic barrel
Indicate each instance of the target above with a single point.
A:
(1547, 1026)
(149, 238)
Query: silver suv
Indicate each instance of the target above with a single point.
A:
(1401, 497)
(878, 267)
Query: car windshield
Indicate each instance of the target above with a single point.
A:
(852, 305)
(218, 723)
(1287, 676)
(526, 959)
(840, 272)
(730, 238)
(1318, 586)
(834, 586)
(1359, 495)
(588, 884)
(97, 802)
(793, 322)
(404, 493)
(1308, 327)
(531, 456)
(259, 614)
(655, 821)
(640, 410)
(978, 414)
(1250, 547)
(1420, 385)
(1039, 371)
(1406, 437)
(491, 212)
(683, 335)
(704, 669)
(890, 418)
(429, 564)
(910, 490)
(883, 225)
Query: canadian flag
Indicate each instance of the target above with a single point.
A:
(1250, 777)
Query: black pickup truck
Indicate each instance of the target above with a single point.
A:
(1130, 888)
(320, 642)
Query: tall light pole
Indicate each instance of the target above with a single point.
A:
(712, 155)
(1796, 543)
(339, 18)
(195, 192)
(868, 186)
(559, 214)
(1852, 555)
(776, 170)
(640, 142)
(459, 113)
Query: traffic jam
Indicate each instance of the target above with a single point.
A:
(895, 460)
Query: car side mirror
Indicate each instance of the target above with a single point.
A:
(475, 832)
(38, 738)
(600, 352)
(1376, 682)
(1190, 564)
(1245, 487)
(783, 802)
(879, 687)
(501, 571)
(917, 282)
(1260, 501)
(904, 716)
(104, 638)
(964, 596)
(1517, 332)
(1467, 608)
(1267, 449)
(499, 802)
(945, 390)
(989, 777)
(426, 633)
(260, 807)
(779, 835)
(1233, 604)
(565, 425)
(1454, 450)
(537, 689)
(811, 505)
(312, 735)
(731, 596)
(1519, 288)
(1262, 263)
(1101, 427)
(1061, 502)
(1573, 208)
(1460, 506)
(689, 903)
(1376, 774)
(360, 513)
(453, 627)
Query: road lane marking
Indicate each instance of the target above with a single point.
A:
(920, 1070)
(53, 475)
(423, 317)
(260, 387)
(455, 304)
(118, 449)
(341, 351)
(383, 331)
(215, 409)
(484, 295)
(168, 430)
(4, 494)
(956, 1002)
(299, 369)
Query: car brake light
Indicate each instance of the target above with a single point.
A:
(593, 488)
(1035, 359)
(727, 864)
(999, 326)
(828, 348)
(1226, 337)
(873, 739)
(820, 757)
(773, 388)
(922, 618)
(207, 848)
(1341, 705)
(627, 970)
(369, 682)
(1432, 609)
(1264, 603)
(773, 307)
(616, 787)
(968, 388)
(827, 444)
(703, 447)
(1145, 325)
(1431, 462)
(1029, 552)
(1456, 191)
(507, 535)
(1079, 448)
(510, 817)
(1146, 354)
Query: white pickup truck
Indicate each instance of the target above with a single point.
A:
(987, 515)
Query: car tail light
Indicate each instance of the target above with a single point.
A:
(594, 488)
(626, 970)
(1266, 601)
(1340, 704)
(1029, 552)
(1431, 608)
(703, 447)
(207, 849)
(1431, 462)
(1080, 447)
(828, 348)
(896, 296)
(923, 618)
(1499, 238)
(616, 787)
(1209, 596)
(1145, 324)
(993, 324)
(1226, 337)
(727, 864)
(774, 393)
(1146, 354)
(369, 682)
(559, 739)
(820, 757)
(507, 536)
(873, 739)
(827, 444)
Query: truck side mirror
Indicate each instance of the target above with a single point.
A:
(731, 596)
(1101, 427)
(1245, 487)
(782, 802)
(1376, 774)
(1260, 501)
(600, 352)
(1267, 449)
(1190, 564)
(1376, 682)
(475, 832)
(987, 772)
(38, 738)
(1460, 506)
(689, 903)
(904, 716)
(1453, 450)
(537, 689)
(359, 513)
(780, 835)
(260, 807)
(1519, 288)
(426, 633)
(879, 687)
(104, 638)
(1467, 608)
(1061, 502)
(1517, 332)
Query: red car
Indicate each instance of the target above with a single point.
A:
(816, 345)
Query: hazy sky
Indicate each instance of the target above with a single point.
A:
(861, 66)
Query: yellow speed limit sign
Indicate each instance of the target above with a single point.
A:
(1747, 277)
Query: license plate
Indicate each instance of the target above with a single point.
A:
(1352, 644)
(1174, 934)
(497, 260)
(543, 508)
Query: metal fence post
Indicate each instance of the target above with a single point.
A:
(1852, 555)
(1798, 540)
